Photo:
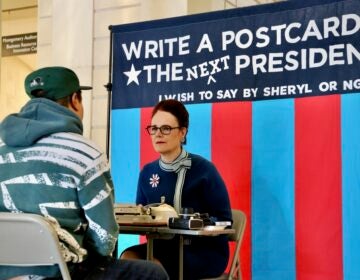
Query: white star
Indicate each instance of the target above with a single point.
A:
(133, 75)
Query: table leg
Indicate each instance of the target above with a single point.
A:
(149, 249)
(181, 257)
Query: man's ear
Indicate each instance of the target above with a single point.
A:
(75, 103)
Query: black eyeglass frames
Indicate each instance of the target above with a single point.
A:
(164, 129)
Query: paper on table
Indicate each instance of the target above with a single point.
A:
(214, 227)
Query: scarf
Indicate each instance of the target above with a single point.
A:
(179, 166)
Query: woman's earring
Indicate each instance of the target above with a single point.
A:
(182, 140)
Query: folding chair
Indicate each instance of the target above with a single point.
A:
(29, 240)
(239, 224)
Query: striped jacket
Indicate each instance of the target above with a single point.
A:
(62, 176)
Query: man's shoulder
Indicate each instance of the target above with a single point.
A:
(74, 141)
(70, 136)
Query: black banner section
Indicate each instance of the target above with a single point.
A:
(282, 50)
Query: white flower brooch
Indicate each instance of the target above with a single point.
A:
(154, 180)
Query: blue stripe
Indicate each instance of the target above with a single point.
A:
(350, 141)
(125, 153)
(125, 241)
(199, 135)
(125, 162)
(273, 218)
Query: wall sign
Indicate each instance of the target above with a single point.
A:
(19, 44)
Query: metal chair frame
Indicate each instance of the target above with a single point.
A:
(29, 240)
(239, 224)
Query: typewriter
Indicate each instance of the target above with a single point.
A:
(151, 214)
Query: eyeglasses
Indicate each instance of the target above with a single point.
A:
(164, 129)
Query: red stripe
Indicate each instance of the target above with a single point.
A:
(231, 153)
(147, 152)
(318, 188)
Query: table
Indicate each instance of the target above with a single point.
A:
(151, 233)
(163, 232)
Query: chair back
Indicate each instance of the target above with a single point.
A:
(239, 224)
(29, 240)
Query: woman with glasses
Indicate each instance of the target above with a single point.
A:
(183, 180)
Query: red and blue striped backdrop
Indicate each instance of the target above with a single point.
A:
(291, 164)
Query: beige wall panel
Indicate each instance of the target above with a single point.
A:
(17, 4)
(20, 26)
(100, 118)
(84, 74)
(44, 8)
(45, 31)
(120, 15)
(43, 55)
(99, 137)
(101, 51)
(230, 4)
(0, 49)
(15, 68)
(158, 9)
(111, 4)
(72, 34)
(13, 95)
(217, 5)
(101, 78)
(199, 6)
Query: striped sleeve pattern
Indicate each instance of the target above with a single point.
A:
(65, 177)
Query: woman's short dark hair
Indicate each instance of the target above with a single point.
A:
(175, 108)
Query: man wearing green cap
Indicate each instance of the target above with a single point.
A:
(48, 168)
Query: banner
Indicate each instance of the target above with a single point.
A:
(273, 93)
(289, 54)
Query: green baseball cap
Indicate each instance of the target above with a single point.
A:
(56, 82)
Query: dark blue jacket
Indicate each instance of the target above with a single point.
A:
(205, 192)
